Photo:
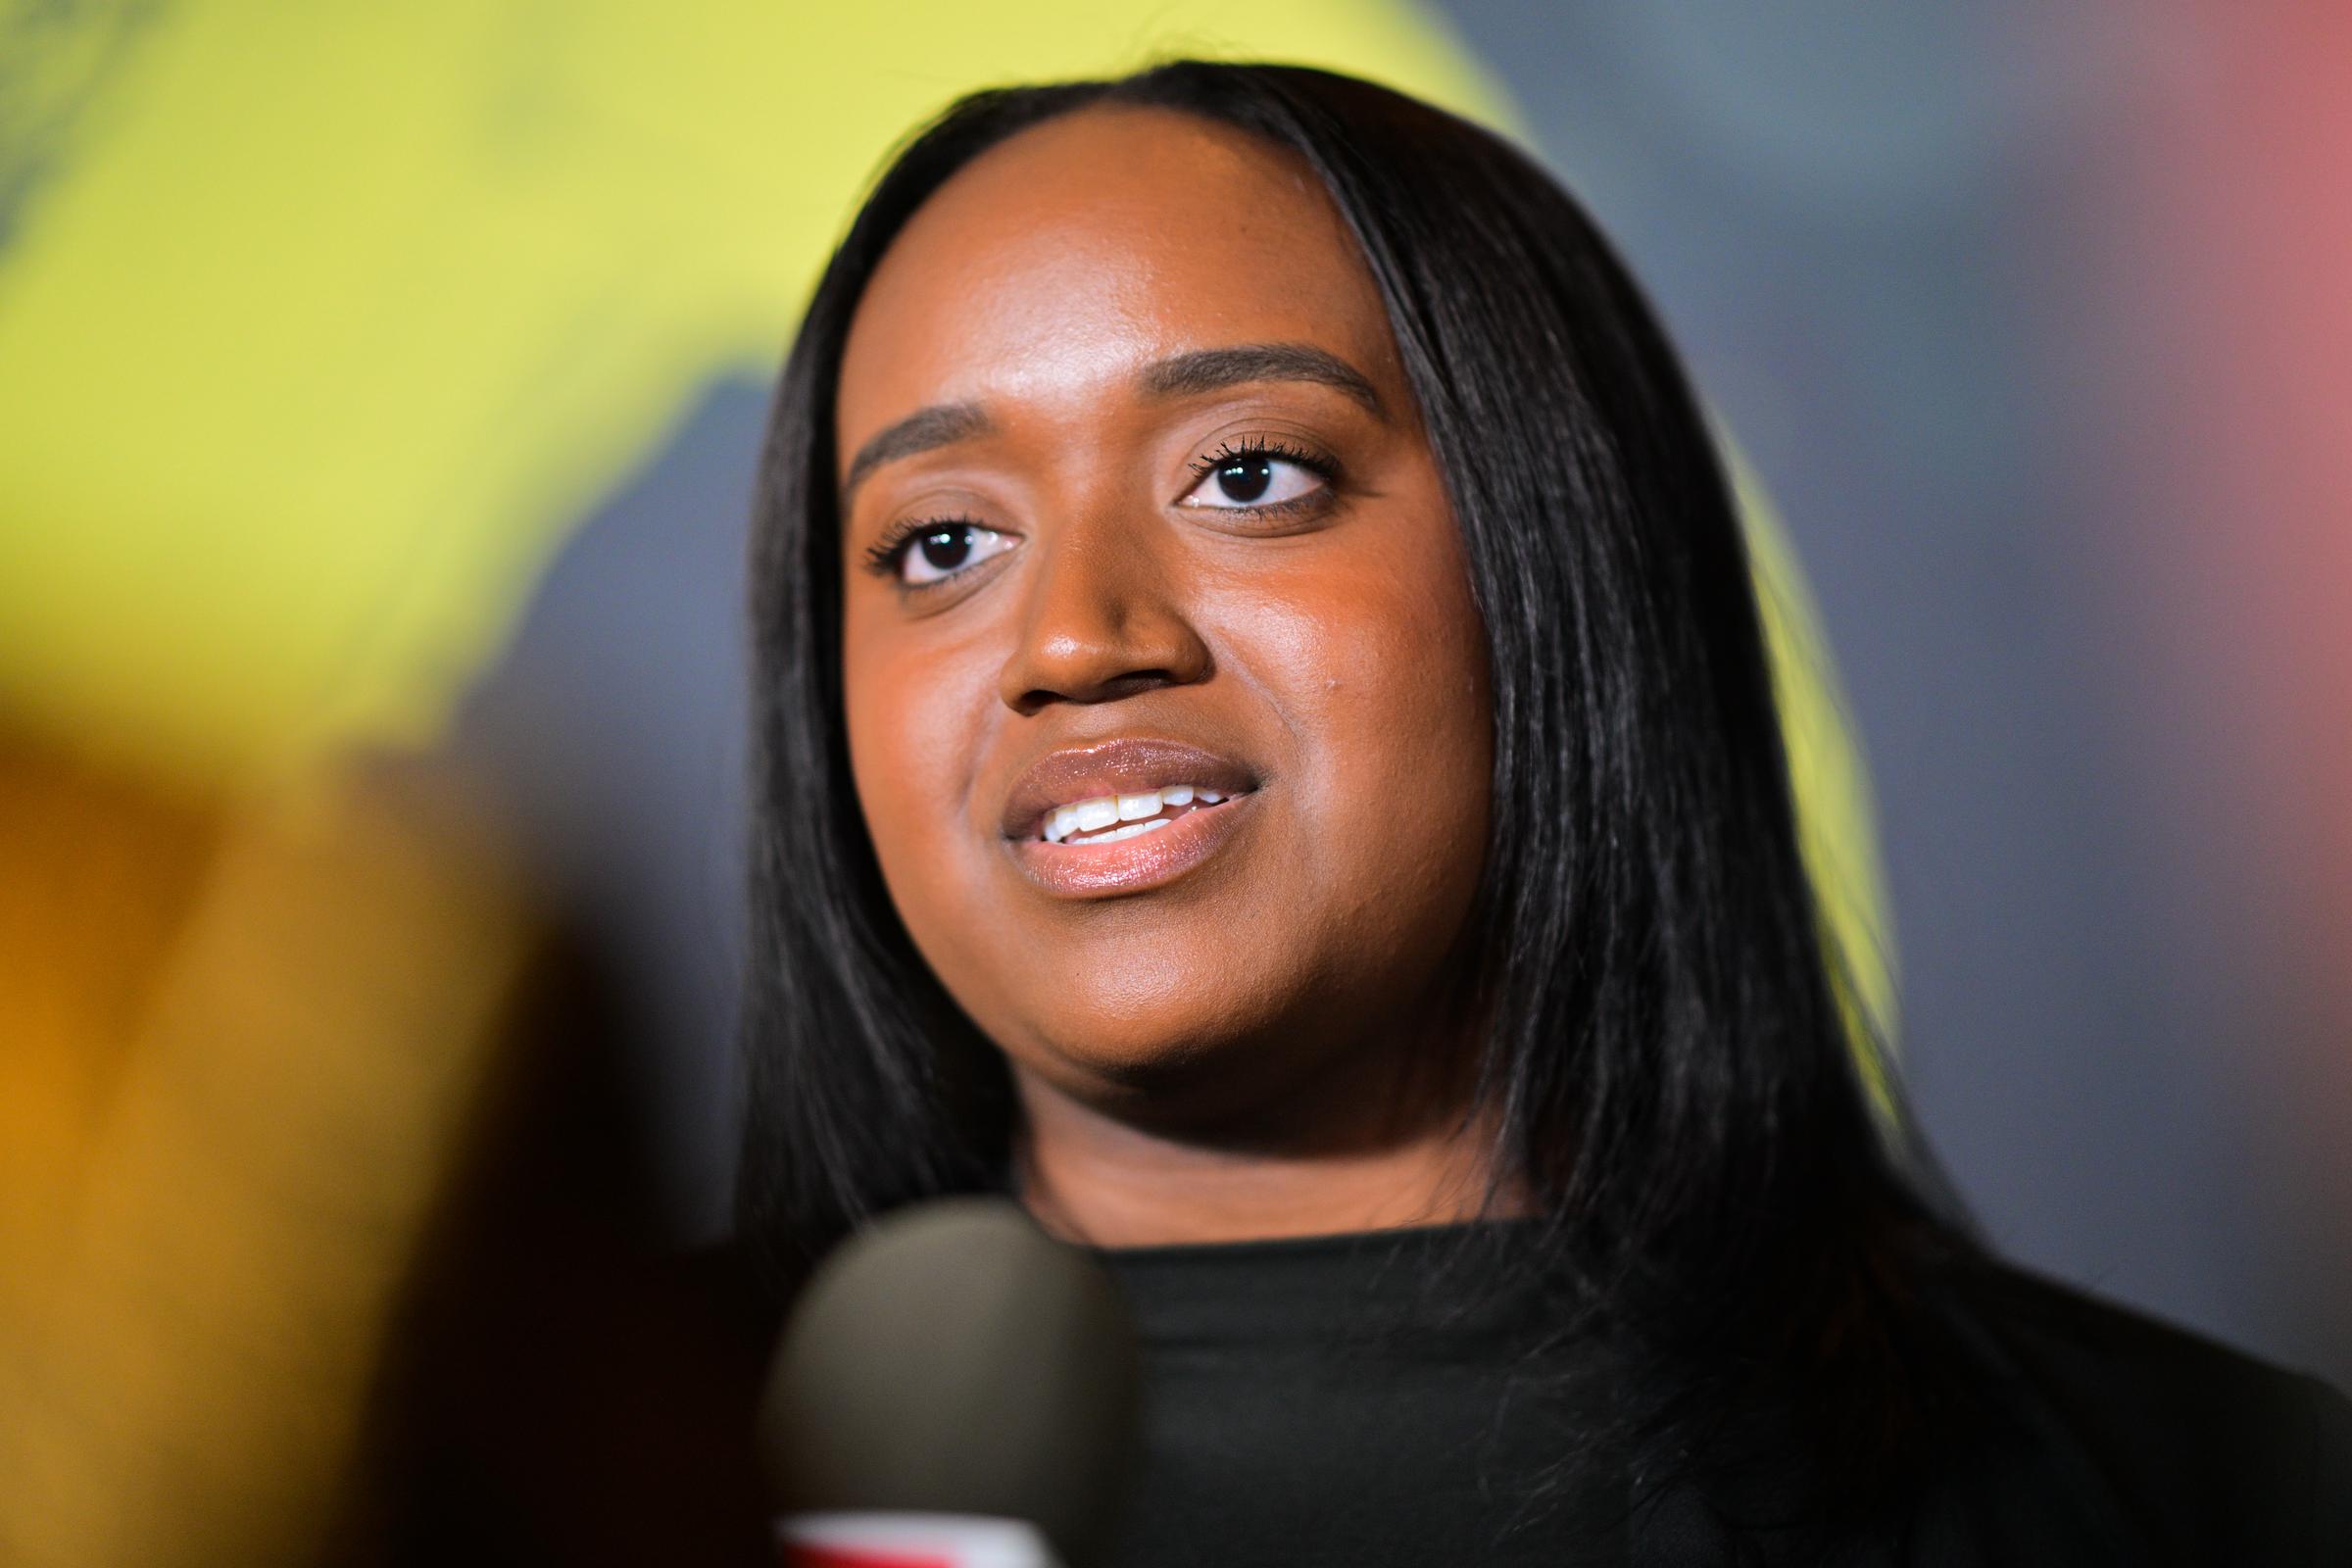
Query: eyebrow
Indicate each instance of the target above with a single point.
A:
(1183, 376)
(941, 425)
(1214, 369)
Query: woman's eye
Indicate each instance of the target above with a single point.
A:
(939, 552)
(1244, 480)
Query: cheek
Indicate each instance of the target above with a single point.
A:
(915, 708)
(1378, 659)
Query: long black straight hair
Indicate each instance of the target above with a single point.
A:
(1665, 1059)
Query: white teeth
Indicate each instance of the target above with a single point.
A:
(1130, 830)
(1134, 813)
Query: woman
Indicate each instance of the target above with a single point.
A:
(1268, 756)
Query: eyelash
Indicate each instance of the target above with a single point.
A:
(882, 557)
(1248, 447)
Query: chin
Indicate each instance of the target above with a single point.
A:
(1157, 1047)
(1211, 1052)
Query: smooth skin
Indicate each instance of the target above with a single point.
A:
(1086, 548)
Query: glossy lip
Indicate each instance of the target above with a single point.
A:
(1127, 766)
(1124, 766)
(1132, 865)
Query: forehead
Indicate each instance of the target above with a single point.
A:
(1069, 256)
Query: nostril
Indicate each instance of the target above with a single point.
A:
(1132, 684)
(1142, 680)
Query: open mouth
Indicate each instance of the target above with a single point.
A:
(1125, 816)
(1110, 819)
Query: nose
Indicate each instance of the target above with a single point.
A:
(1104, 620)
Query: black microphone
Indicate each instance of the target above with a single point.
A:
(954, 1388)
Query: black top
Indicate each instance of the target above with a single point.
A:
(1361, 1400)
(1337, 1399)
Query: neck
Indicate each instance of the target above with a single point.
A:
(1092, 1175)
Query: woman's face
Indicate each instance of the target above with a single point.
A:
(1166, 694)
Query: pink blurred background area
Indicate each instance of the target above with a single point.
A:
(2217, 233)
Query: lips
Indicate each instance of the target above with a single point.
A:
(1127, 766)
(1076, 824)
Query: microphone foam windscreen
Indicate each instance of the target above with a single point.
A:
(953, 1358)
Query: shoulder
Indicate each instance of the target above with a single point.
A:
(2160, 1442)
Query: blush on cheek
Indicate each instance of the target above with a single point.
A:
(915, 730)
(1405, 727)
(1383, 675)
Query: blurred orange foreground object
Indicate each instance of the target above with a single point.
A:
(237, 1056)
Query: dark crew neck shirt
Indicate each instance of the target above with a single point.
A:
(1373, 1399)
(1346, 1400)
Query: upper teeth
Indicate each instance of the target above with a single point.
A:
(1104, 811)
